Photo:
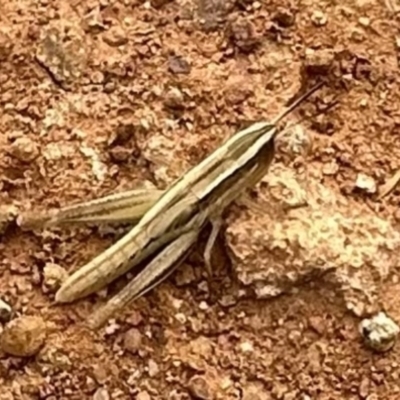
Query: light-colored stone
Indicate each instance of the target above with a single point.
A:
(54, 275)
(379, 332)
(277, 248)
(101, 394)
(366, 183)
(24, 336)
(132, 340)
(319, 18)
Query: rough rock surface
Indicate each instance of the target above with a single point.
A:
(306, 230)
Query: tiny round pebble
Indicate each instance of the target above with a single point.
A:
(318, 18)
(24, 149)
(379, 332)
(174, 99)
(132, 340)
(115, 37)
(24, 336)
(203, 306)
(199, 388)
(153, 368)
(54, 275)
(143, 395)
(318, 62)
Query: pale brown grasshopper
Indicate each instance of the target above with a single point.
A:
(170, 222)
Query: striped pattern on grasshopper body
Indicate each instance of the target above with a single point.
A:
(172, 220)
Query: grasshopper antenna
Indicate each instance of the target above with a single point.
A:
(331, 105)
(302, 145)
(296, 103)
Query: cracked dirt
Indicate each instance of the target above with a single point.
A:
(103, 96)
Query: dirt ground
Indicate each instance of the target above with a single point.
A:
(101, 96)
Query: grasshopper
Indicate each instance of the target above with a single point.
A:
(170, 222)
(120, 208)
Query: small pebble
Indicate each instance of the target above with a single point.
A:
(54, 276)
(225, 383)
(201, 346)
(237, 93)
(365, 183)
(294, 336)
(97, 77)
(178, 65)
(153, 368)
(203, 287)
(317, 324)
(318, 18)
(255, 392)
(199, 389)
(135, 318)
(246, 347)
(101, 394)
(364, 21)
(319, 62)
(8, 214)
(24, 336)
(180, 317)
(132, 340)
(364, 388)
(379, 332)
(397, 41)
(157, 4)
(357, 35)
(176, 303)
(241, 33)
(111, 328)
(24, 149)
(283, 17)
(90, 384)
(120, 154)
(185, 276)
(331, 168)
(115, 37)
(174, 99)
(122, 134)
(203, 306)
(143, 396)
(228, 300)
(5, 311)
(100, 373)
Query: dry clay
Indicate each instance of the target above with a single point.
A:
(307, 230)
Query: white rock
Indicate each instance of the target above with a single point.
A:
(379, 332)
(366, 183)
